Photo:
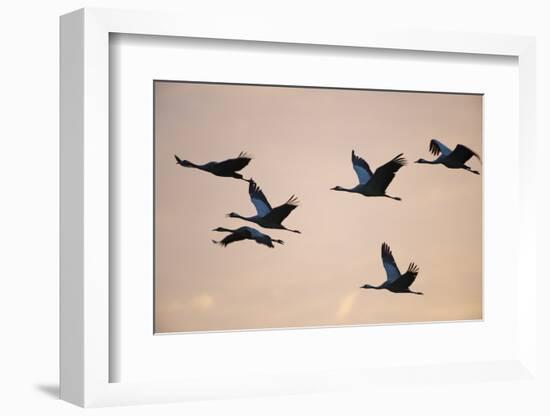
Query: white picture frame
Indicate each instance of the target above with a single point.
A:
(85, 220)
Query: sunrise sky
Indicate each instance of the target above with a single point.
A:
(301, 140)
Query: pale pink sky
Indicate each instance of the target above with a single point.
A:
(301, 140)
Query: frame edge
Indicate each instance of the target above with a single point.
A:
(71, 221)
(81, 382)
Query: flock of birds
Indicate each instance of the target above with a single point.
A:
(371, 184)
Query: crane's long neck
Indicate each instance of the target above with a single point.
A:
(429, 162)
(339, 188)
(367, 286)
(225, 230)
(187, 164)
(251, 219)
(205, 167)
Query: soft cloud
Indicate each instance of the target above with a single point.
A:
(203, 301)
(346, 305)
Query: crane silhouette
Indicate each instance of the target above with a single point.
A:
(227, 168)
(455, 159)
(373, 184)
(245, 233)
(266, 216)
(395, 281)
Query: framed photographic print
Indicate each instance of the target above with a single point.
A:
(254, 213)
(314, 279)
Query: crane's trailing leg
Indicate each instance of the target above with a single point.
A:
(393, 197)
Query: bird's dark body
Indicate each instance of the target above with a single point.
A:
(396, 282)
(375, 183)
(370, 189)
(265, 223)
(268, 217)
(392, 288)
(455, 159)
(226, 169)
(245, 233)
(276, 216)
(453, 165)
(402, 284)
(215, 169)
(228, 175)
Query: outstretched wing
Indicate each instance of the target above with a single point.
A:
(259, 237)
(278, 214)
(385, 173)
(265, 240)
(235, 164)
(436, 147)
(405, 281)
(231, 238)
(361, 168)
(462, 154)
(258, 199)
(392, 272)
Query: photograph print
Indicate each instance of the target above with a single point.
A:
(299, 207)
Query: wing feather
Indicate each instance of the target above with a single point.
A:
(405, 281)
(259, 237)
(392, 271)
(461, 154)
(361, 168)
(258, 198)
(384, 174)
(436, 147)
(278, 214)
(235, 164)
(231, 238)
